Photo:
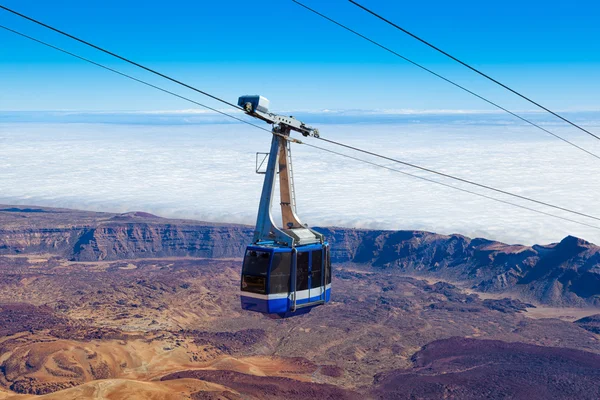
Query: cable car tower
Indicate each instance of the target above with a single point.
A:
(287, 270)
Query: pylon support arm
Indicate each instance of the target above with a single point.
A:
(293, 232)
(258, 107)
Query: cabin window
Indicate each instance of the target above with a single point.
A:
(316, 270)
(256, 263)
(302, 271)
(254, 284)
(254, 271)
(279, 279)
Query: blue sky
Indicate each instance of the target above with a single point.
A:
(548, 50)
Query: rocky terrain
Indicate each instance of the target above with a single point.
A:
(76, 329)
(156, 315)
(471, 369)
(560, 274)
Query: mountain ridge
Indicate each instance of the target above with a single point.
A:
(566, 273)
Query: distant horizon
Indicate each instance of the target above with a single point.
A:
(376, 111)
(199, 116)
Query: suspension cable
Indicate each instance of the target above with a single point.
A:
(314, 11)
(322, 15)
(342, 145)
(147, 83)
(472, 68)
(458, 179)
(446, 79)
(120, 57)
(449, 186)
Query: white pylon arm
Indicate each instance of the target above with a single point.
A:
(258, 107)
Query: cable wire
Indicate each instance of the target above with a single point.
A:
(446, 79)
(132, 78)
(314, 11)
(148, 84)
(238, 107)
(472, 68)
(119, 57)
(450, 186)
(339, 144)
(458, 179)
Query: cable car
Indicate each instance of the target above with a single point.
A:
(279, 280)
(286, 271)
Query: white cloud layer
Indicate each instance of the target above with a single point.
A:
(206, 172)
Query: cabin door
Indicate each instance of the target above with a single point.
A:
(302, 276)
(316, 275)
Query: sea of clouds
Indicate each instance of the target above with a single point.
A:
(196, 165)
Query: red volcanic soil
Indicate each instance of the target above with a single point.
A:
(20, 317)
(460, 368)
(230, 342)
(268, 388)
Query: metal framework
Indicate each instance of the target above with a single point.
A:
(293, 232)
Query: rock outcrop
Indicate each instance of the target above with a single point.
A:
(591, 323)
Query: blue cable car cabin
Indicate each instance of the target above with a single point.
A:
(269, 284)
(286, 271)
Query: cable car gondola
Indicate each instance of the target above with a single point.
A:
(286, 271)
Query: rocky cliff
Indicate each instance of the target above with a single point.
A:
(562, 274)
(86, 236)
(119, 240)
